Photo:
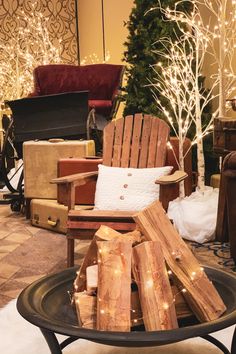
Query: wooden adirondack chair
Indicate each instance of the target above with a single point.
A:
(138, 142)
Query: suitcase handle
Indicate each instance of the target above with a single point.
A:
(52, 223)
(56, 140)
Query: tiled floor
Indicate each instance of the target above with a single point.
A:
(27, 253)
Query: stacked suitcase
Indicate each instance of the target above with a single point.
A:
(41, 166)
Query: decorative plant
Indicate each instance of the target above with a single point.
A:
(144, 27)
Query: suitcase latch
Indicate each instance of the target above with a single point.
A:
(36, 218)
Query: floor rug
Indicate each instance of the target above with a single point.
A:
(17, 336)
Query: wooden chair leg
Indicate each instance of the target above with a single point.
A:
(70, 252)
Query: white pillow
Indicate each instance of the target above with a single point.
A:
(127, 188)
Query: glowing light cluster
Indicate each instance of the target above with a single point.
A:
(94, 59)
(28, 47)
(179, 75)
(194, 276)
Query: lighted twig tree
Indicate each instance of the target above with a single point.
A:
(218, 29)
(222, 44)
(28, 47)
(180, 82)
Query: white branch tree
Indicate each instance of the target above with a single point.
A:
(221, 31)
(180, 80)
(218, 29)
(28, 47)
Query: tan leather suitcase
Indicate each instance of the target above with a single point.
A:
(40, 163)
(48, 214)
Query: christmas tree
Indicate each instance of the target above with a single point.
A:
(145, 28)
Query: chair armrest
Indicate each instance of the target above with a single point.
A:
(77, 179)
(176, 177)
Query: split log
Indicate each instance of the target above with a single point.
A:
(104, 233)
(156, 298)
(89, 259)
(86, 309)
(199, 291)
(114, 285)
(181, 307)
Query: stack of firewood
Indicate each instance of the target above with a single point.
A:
(148, 276)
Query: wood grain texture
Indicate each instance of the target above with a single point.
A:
(200, 294)
(153, 143)
(125, 157)
(118, 141)
(156, 297)
(136, 137)
(114, 290)
(144, 147)
(108, 140)
(104, 233)
(161, 147)
(86, 307)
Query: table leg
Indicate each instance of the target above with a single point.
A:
(52, 341)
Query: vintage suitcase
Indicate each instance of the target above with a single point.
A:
(84, 194)
(40, 163)
(48, 214)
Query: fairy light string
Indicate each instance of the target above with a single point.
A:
(193, 276)
(28, 47)
(179, 73)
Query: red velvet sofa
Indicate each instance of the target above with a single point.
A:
(101, 80)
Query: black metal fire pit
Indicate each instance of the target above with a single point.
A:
(46, 304)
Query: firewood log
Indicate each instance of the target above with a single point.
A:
(198, 290)
(156, 298)
(86, 309)
(104, 233)
(114, 285)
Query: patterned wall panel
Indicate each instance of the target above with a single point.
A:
(61, 24)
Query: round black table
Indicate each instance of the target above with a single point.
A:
(46, 304)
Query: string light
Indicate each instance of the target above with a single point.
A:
(194, 276)
(28, 47)
(177, 82)
(94, 59)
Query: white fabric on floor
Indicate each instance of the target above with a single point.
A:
(17, 336)
(195, 216)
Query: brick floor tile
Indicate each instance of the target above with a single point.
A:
(7, 270)
(19, 237)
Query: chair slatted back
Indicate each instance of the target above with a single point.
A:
(137, 141)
